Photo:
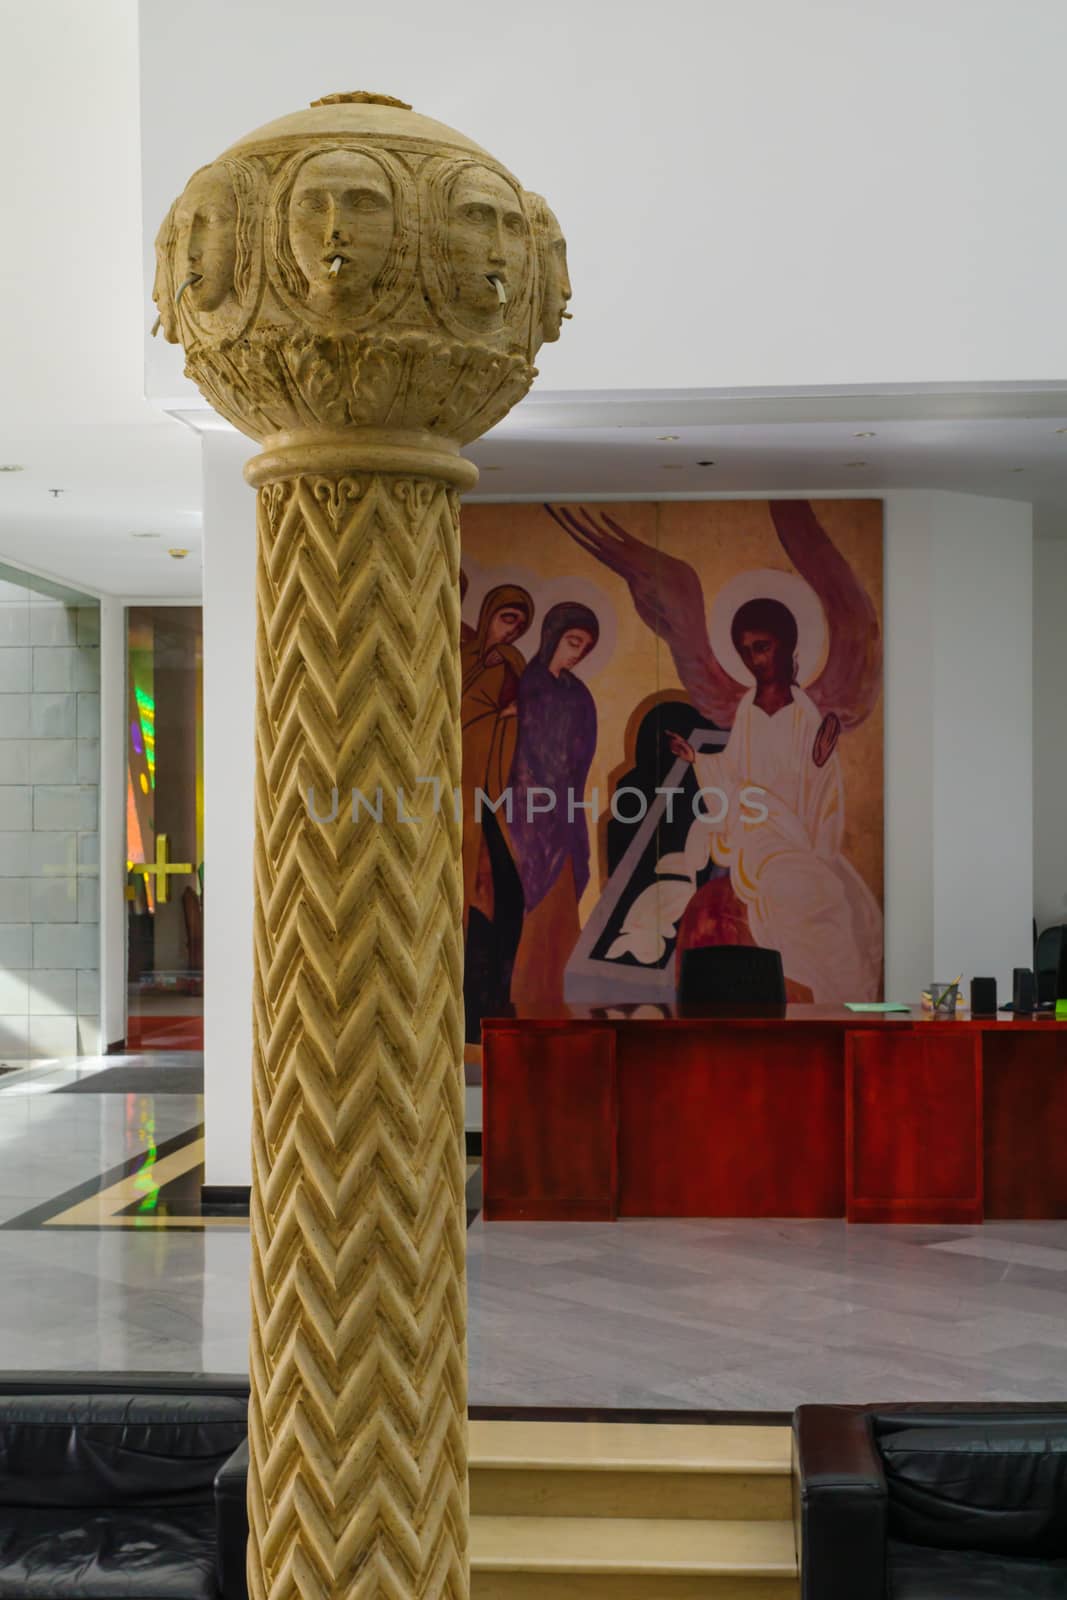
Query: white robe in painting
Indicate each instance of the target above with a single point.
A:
(801, 895)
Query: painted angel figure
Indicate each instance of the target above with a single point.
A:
(790, 887)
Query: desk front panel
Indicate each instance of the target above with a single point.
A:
(550, 1125)
(721, 1121)
(914, 1125)
(1025, 1091)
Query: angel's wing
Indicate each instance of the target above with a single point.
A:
(851, 680)
(668, 597)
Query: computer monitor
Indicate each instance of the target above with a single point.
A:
(1047, 951)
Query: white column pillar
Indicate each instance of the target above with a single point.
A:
(959, 739)
(1050, 731)
(983, 645)
(229, 727)
(909, 745)
(113, 735)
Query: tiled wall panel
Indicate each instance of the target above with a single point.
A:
(49, 809)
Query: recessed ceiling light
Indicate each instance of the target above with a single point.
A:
(705, 463)
(668, 438)
(864, 436)
(179, 555)
(145, 535)
(855, 463)
(12, 469)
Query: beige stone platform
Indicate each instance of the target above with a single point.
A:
(583, 1511)
(603, 1469)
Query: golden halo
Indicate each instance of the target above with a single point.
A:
(767, 583)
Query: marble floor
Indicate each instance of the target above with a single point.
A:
(106, 1263)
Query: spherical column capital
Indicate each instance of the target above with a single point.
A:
(357, 265)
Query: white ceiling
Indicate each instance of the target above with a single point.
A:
(1012, 459)
(119, 481)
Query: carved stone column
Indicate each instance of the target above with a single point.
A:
(363, 291)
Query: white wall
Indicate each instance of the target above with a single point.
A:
(229, 711)
(1050, 731)
(833, 192)
(72, 294)
(49, 823)
(959, 769)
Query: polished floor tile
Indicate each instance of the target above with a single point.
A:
(762, 1315)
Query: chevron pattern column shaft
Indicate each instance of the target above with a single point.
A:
(358, 1479)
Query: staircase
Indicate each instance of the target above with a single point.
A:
(630, 1511)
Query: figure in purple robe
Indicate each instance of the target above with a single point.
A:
(557, 738)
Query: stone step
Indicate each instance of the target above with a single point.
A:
(632, 1558)
(624, 1470)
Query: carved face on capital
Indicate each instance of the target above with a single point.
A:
(207, 252)
(556, 291)
(206, 236)
(342, 222)
(488, 245)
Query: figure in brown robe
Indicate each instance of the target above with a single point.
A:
(492, 893)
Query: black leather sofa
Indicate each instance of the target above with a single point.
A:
(122, 1485)
(920, 1502)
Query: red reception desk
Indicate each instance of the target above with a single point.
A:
(603, 1112)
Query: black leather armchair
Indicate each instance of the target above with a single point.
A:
(919, 1502)
(122, 1485)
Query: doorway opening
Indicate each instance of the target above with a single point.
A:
(165, 828)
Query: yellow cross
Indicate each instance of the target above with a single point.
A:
(70, 870)
(160, 867)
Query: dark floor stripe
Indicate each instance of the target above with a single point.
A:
(39, 1215)
(225, 1199)
(138, 1079)
(474, 1195)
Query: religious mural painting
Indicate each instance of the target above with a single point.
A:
(672, 736)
